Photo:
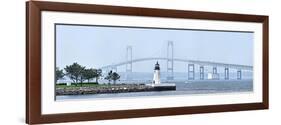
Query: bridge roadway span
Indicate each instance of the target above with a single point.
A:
(198, 62)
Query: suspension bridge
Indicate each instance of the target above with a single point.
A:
(170, 65)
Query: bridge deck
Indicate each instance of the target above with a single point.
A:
(204, 63)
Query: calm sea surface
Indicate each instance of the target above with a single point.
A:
(183, 88)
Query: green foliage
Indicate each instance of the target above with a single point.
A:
(98, 75)
(89, 74)
(115, 76)
(59, 74)
(74, 72)
(108, 77)
(78, 73)
(112, 76)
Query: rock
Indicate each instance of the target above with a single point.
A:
(121, 88)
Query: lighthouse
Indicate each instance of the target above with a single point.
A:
(156, 83)
(156, 75)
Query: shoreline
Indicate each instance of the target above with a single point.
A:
(107, 89)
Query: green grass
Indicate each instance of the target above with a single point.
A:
(93, 84)
(73, 85)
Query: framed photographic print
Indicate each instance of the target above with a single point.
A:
(94, 62)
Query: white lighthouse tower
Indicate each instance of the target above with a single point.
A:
(156, 75)
(156, 83)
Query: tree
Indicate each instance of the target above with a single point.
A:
(98, 75)
(108, 77)
(115, 76)
(82, 76)
(59, 74)
(89, 74)
(74, 72)
(112, 76)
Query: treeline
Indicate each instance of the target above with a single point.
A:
(78, 74)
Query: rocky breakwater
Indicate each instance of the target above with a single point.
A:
(102, 89)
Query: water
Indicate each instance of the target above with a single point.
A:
(183, 88)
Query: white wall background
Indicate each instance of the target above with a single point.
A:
(12, 64)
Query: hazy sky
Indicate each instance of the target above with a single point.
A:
(96, 46)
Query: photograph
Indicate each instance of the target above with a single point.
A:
(104, 61)
(99, 62)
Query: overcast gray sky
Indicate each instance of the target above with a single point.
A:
(96, 46)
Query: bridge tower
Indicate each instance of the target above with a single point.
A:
(191, 72)
(201, 72)
(226, 73)
(239, 74)
(170, 60)
(215, 73)
(129, 66)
